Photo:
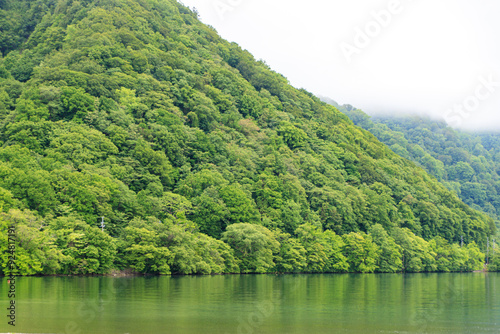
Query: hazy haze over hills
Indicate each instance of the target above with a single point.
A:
(424, 57)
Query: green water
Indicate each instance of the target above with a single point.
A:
(388, 303)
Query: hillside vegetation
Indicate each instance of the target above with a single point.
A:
(465, 162)
(199, 158)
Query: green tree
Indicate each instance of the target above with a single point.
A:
(494, 261)
(91, 250)
(323, 249)
(210, 213)
(291, 256)
(35, 248)
(361, 252)
(142, 253)
(475, 258)
(390, 257)
(240, 205)
(448, 257)
(417, 254)
(76, 103)
(292, 136)
(254, 246)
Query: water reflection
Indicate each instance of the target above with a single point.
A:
(350, 303)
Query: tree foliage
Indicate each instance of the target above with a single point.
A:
(202, 160)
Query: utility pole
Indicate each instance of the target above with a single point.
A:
(487, 249)
(102, 224)
(462, 241)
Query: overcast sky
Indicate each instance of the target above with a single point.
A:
(440, 58)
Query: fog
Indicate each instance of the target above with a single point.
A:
(394, 56)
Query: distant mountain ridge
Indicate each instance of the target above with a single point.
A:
(465, 162)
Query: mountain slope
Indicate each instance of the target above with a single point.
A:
(199, 158)
(464, 162)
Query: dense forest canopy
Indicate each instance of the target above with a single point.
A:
(465, 162)
(200, 158)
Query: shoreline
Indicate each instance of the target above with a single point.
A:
(126, 273)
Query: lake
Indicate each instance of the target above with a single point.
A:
(337, 303)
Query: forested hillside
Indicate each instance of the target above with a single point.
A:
(465, 162)
(199, 158)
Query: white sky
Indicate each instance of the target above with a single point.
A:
(426, 57)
